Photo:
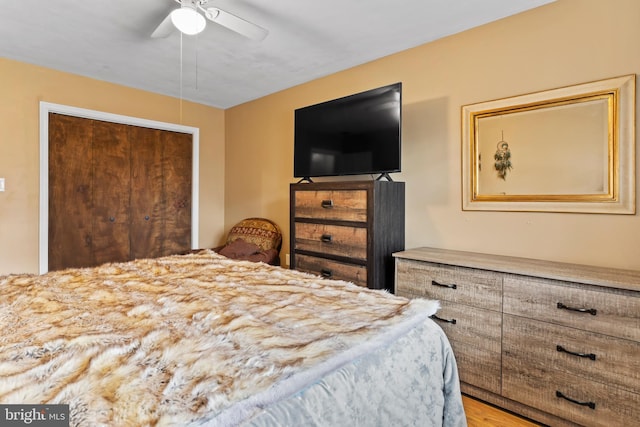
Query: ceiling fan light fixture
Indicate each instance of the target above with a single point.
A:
(188, 20)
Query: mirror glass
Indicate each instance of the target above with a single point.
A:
(569, 155)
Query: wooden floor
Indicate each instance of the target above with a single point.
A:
(479, 414)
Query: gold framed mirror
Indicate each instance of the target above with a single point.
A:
(570, 149)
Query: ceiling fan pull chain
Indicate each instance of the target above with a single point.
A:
(181, 36)
(197, 51)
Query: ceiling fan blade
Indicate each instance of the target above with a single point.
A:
(235, 23)
(165, 28)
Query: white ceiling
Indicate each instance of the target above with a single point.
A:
(110, 40)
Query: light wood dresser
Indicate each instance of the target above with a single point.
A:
(555, 342)
(348, 230)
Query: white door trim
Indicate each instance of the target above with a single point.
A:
(47, 107)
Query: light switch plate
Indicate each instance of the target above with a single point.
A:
(1, 184)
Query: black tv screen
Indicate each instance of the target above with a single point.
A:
(357, 134)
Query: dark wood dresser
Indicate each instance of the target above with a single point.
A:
(348, 230)
(558, 343)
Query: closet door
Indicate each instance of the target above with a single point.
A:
(160, 192)
(147, 202)
(177, 186)
(111, 192)
(70, 193)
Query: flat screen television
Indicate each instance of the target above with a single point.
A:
(354, 135)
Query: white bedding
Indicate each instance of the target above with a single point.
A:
(410, 381)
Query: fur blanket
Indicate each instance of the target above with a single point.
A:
(168, 341)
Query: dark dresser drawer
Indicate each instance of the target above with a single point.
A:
(343, 205)
(333, 269)
(338, 240)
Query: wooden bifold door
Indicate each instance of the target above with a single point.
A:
(116, 192)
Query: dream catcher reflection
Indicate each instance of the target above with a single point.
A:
(502, 158)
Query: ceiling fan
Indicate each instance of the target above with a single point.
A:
(189, 19)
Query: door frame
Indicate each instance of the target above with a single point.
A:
(48, 107)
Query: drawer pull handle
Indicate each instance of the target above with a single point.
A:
(326, 238)
(442, 285)
(591, 311)
(326, 273)
(440, 319)
(327, 204)
(591, 405)
(585, 355)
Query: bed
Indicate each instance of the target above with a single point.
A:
(203, 340)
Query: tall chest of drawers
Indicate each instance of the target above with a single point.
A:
(559, 343)
(348, 230)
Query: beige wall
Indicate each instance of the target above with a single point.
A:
(24, 86)
(564, 43)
